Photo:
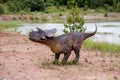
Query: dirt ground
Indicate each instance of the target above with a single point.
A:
(21, 59)
(96, 17)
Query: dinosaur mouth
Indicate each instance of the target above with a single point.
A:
(31, 39)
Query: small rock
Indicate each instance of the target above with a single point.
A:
(115, 77)
(86, 60)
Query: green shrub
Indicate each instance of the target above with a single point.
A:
(34, 5)
(15, 18)
(100, 10)
(36, 18)
(9, 24)
(111, 9)
(101, 46)
(14, 6)
(75, 21)
(32, 17)
(51, 9)
(62, 8)
(85, 8)
(44, 18)
(118, 7)
(60, 14)
(106, 14)
(3, 8)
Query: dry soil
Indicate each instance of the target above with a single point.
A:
(21, 59)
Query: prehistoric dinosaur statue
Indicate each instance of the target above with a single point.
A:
(62, 44)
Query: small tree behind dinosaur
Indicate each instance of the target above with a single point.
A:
(74, 20)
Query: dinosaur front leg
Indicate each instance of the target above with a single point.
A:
(56, 60)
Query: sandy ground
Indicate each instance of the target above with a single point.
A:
(21, 59)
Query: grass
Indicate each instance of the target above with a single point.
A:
(104, 33)
(9, 24)
(102, 47)
(111, 25)
(50, 65)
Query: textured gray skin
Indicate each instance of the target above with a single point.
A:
(62, 44)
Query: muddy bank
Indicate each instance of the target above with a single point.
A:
(56, 18)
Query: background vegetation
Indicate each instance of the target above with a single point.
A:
(9, 24)
(74, 19)
(102, 47)
(16, 6)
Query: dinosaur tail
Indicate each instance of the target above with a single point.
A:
(87, 35)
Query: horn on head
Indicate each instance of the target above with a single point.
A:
(38, 29)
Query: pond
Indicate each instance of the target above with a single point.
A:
(107, 31)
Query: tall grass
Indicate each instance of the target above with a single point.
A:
(101, 46)
(9, 24)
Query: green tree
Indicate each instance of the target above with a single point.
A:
(49, 3)
(15, 6)
(81, 3)
(108, 2)
(2, 9)
(2, 1)
(118, 7)
(75, 22)
(61, 2)
(96, 3)
(35, 5)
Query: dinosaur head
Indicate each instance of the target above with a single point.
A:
(41, 35)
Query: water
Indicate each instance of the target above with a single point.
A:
(107, 31)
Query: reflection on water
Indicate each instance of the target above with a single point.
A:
(103, 27)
